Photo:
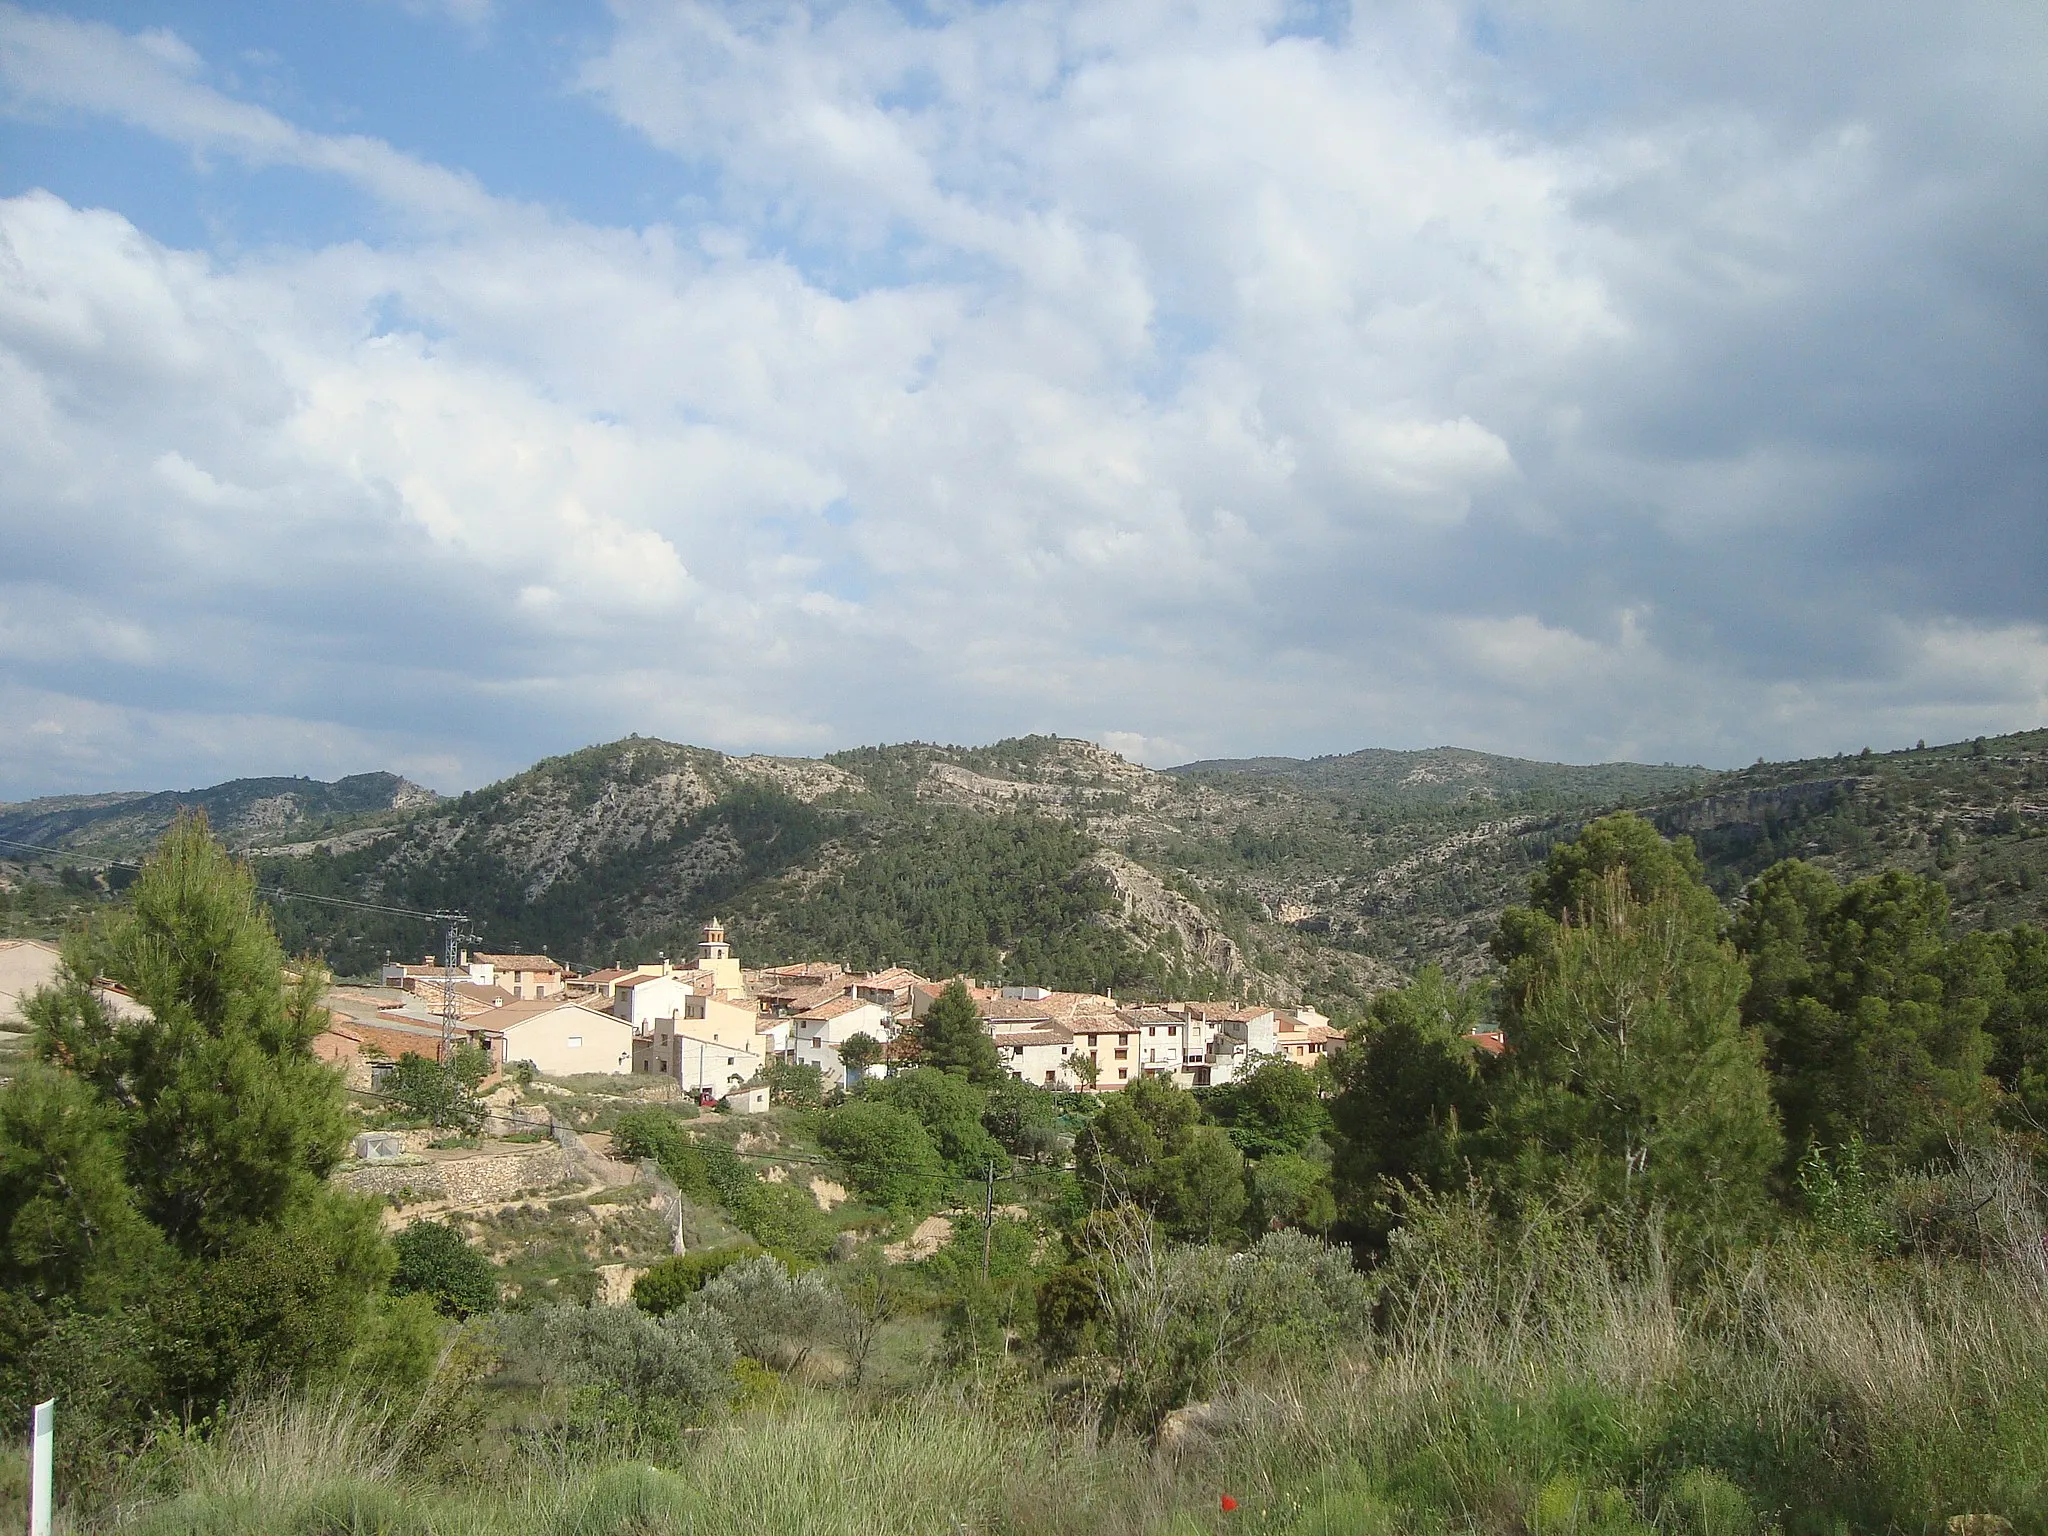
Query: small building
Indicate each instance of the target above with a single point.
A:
(1041, 1057)
(526, 977)
(751, 1100)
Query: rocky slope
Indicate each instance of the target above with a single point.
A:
(245, 812)
(1057, 861)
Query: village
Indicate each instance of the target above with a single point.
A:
(711, 1027)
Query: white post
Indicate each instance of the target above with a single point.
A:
(39, 1469)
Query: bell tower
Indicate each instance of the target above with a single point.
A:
(716, 963)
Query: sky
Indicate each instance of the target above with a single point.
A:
(436, 385)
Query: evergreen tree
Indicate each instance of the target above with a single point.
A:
(1147, 1147)
(1412, 1091)
(1631, 1075)
(168, 1174)
(950, 1037)
(1874, 1020)
(1276, 1107)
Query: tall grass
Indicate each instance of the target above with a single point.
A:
(1551, 1389)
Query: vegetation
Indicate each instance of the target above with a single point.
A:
(1742, 1231)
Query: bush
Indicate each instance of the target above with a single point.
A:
(436, 1261)
(794, 1084)
(774, 1316)
(887, 1154)
(632, 1378)
(667, 1285)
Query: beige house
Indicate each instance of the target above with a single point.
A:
(559, 1038)
(525, 976)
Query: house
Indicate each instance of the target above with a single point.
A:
(29, 965)
(643, 999)
(559, 1037)
(524, 976)
(1304, 1036)
(748, 1101)
(692, 1061)
(817, 1033)
(1038, 1056)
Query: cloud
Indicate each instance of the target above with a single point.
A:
(1582, 385)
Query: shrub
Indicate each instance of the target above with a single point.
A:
(666, 1285)
(776, 1317)
(436, 1261)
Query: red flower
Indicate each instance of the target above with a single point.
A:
(1228, 1503)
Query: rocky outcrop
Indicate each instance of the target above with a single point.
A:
(1752, 806)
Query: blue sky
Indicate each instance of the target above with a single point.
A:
(437, 386)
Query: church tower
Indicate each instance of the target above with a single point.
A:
(715, 961)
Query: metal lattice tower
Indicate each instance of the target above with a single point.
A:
(454, 929)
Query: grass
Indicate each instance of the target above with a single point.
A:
(1804, 1393)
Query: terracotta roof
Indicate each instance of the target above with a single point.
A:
(816, 970)
(1052, 1034)
(835, 1007)
(1491, 1041)
(601, 977)
(519, 962)
(512, 1015)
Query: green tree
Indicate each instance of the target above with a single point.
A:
(2018, 1021)
(1288, 1190)
(859, 1051)
(1631, 1074)
(1276, 1107)
(169, 1174)
(950, 1110)
(887, 1154)
(436, 1261)
(950, 1037)
(1023, 1117)
(1147, 1147)
(794, 1084)
(441, 1093)
(1411, 1091)
(1873, 1019)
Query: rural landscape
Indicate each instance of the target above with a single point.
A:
(1540, 1148)
(1023, 768)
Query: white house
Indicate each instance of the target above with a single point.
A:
(1040, 1056)
(692, 1061)
(558, 1037)
(640, 1000)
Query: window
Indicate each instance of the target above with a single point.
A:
(575, 1042)
(1123, 1072)
(664, 1065)
(1091, 1042)
(1048, 1079)
(1123, 1055)
(728, 1061)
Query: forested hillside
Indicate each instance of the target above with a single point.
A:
(1056, 861)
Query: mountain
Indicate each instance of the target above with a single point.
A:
(1055, 861)
(244, 812)
(1454, 775)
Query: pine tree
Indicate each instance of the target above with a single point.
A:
(1631, 1075)
(950, 1037)
(170, 1172)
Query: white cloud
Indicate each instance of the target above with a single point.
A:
(1032, 365)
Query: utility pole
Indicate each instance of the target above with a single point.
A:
(454, 928)
(988, 1221)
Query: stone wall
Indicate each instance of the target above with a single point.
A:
(463, 1180)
